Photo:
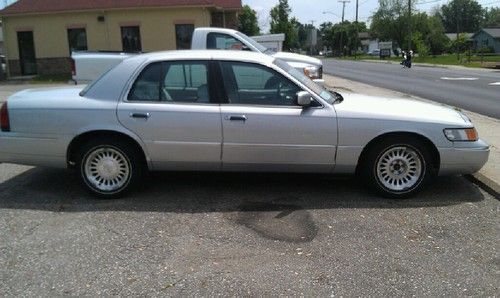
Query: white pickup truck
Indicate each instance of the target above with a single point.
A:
(88, 66)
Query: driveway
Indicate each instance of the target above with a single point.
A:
(204, 234)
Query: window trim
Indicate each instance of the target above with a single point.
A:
(135, 76)
(225, 88)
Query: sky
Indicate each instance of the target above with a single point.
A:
(312, 10)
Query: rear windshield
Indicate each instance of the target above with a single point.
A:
(89, 86)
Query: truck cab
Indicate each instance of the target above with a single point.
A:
(229, 39)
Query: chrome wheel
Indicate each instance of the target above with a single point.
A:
(107, 169)
(400, 168)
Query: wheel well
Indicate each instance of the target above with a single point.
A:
(436, 159)
(79, 140)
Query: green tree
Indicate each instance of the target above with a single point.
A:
(435, 38)
(280, 23)
(342, 37)
(491, 18)
(247, 21)
(464, 15)
(390, 22)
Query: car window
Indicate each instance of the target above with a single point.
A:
(255, 84)
(222, 41)
(184, 81)
(147, 85)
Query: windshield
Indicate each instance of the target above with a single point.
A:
(319, 90)
(251, 41)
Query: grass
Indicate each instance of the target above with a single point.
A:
(450, 59)
(46, 79)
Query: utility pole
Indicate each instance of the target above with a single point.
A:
(357, 33)
(343, 7)
(342, 32)
(409, 25)
(311, 33)
(457, 16)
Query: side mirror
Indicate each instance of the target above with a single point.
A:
(304, 99)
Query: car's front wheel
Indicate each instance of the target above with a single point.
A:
(109, 169)
(397, 167)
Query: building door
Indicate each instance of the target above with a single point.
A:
(27, 56)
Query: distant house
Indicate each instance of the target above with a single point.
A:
(487, 37)
(453, 36)
(40, 34)
(368, 44)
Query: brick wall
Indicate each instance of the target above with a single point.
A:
(45, 66)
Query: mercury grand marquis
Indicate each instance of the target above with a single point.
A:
(232, 111)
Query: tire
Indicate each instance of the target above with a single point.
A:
(110, 168)
(397, 167)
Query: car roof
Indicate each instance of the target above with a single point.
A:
(244, 56)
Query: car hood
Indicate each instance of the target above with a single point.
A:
(371, 107)
(291, 57)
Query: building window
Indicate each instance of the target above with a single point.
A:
(77, 39)
(131, 39)
(183, 35)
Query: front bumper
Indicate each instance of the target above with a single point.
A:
(463, 157)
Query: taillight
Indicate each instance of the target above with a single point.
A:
(4, 117)
(73, 67)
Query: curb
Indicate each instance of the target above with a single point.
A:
(433, 65)
(485, 183)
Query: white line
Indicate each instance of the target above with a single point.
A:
(458, 79)
(495, 84)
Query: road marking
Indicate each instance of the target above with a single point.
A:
(495, 84)
(458, 79)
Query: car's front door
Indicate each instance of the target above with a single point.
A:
(170, 108)
(265, 130)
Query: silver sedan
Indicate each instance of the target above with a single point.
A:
(232, 111)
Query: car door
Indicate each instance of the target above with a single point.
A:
(264, 129)
(170, 107)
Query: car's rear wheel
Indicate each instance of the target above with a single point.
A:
(397, 167)
(109, 169)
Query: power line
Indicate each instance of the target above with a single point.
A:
(427, 2)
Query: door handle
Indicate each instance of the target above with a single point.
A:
(237, 118)
(140, 115)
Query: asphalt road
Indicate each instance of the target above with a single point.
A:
(205, 234)
(469, 89)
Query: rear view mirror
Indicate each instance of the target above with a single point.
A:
(304, 99)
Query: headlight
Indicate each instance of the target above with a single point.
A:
(312, 72)
(461, 134)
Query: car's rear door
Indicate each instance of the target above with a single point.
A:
(170, 107)
(264, 129)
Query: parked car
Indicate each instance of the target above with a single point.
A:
(232, 111)
(88, 66)
(375, 52)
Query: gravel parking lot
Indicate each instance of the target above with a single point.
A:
(243, 234)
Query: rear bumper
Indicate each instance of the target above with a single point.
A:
(463, 157)
(30, 150)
